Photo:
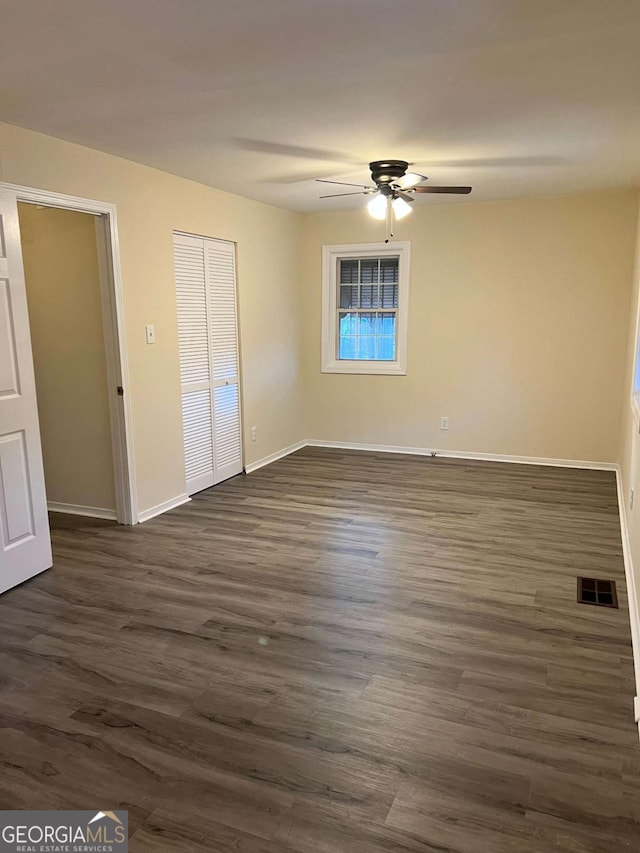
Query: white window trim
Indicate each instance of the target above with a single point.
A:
(330, 257)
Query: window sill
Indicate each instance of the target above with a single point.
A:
(366, 368)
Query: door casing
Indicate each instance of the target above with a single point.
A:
(114, 335)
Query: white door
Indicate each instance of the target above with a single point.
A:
(225, 362)
(25, 546)
(209, 362)
(193, 337)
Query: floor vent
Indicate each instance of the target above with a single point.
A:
(598, 592)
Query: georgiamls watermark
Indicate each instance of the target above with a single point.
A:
(64, 832)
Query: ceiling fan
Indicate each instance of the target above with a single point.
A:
(394, 189)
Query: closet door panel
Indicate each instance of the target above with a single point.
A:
(195, 367)
(198, 444)
(225, 368)
(191, 297)
(222, 306)
(209, 359)
(228, 433)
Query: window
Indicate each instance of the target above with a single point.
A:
(365, 290)
(635, 397)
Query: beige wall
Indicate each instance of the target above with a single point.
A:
(629, 455)
(516, 312)
(150, 205)
(63, 289)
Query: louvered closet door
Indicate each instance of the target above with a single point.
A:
(225, 368)
(193, 337)
(208, 340)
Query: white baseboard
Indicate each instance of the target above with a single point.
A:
(464, 454)
(76, 509)
(429, 451)
(165, 506)
(632, 593)
(267, 460)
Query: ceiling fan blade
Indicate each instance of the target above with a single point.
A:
(452, 190)
(263, 146)
(404, 196)
(299, 177)
(340, 195)
(410, 180)
(342, 183)
(492, 162)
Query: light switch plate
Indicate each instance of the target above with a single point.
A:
(151, 334)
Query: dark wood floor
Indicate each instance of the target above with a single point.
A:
(341, 653)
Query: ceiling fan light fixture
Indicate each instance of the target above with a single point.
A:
(411, 179)
(400, 208)
(377, 207)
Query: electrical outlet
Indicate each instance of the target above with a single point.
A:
(150, 333)
(254, 433)
(632, 498)
(444, 423)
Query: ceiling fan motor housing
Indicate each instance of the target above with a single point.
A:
(386, 171)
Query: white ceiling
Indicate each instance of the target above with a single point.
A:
(516, 97)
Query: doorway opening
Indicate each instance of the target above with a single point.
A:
(70, 259)
(62, 278)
